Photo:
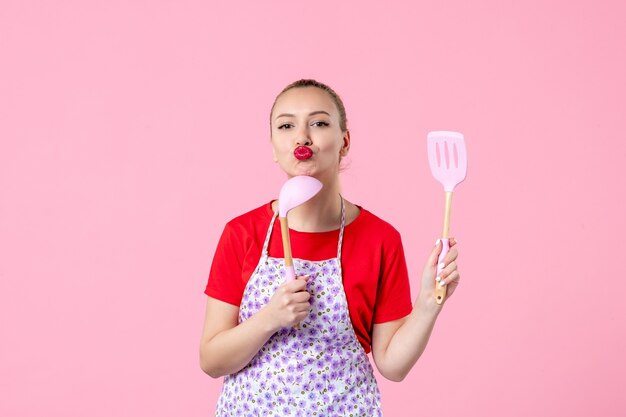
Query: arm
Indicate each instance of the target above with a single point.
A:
(227, 347)
(398, 344)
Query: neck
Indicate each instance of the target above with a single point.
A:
(321, 213)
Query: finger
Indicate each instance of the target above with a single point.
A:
(295, 307)
(451, 267)
(454, 276)
(300, 311)
(294, 303)
(451, 256)
(304, 280)
(452, 241)
(434, 255)
(297, 284)
(301, 296)
(302, 307)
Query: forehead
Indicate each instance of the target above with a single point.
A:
(305, 100)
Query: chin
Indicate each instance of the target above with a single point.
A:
(305, 170)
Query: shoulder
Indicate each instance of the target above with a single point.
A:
(251, 218)
(249, 226)
(371, 227)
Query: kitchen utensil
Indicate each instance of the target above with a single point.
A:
(447, 157)
(294, 192)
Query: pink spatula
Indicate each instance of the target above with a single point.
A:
(447, 157)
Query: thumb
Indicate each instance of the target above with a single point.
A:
(434, 255)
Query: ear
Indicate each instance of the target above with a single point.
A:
(346, 143)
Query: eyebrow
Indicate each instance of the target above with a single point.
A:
(310, 114)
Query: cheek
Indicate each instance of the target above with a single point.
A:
(278, 145)
(337, 144)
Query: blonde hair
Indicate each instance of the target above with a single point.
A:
(343, 121)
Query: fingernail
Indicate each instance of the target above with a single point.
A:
(441, 284)
(437, 242)
(441, 265)
(438, 279)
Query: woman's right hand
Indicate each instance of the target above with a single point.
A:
(290, 304)
(227, 346)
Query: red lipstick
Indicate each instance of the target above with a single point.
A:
(303, 153)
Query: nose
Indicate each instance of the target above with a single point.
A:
(302, 138)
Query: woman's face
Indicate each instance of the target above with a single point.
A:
(308, 116)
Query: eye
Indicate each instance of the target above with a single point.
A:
(284, 126)
(320, 124)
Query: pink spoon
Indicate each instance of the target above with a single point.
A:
(294, 192)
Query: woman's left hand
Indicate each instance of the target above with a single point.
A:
(449, 275)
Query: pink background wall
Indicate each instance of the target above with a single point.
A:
(131, 131)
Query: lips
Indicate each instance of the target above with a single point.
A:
(302, 153)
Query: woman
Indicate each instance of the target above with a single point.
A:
(351, 297)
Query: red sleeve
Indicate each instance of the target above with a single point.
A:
(225, 279)
(393, 298)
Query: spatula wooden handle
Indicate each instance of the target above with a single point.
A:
(446, 214)
(440, 292)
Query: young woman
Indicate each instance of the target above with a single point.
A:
(351, 297)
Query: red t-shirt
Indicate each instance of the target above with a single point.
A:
(375, 276)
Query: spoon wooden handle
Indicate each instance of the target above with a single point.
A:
(284, 229)
(289, 269)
